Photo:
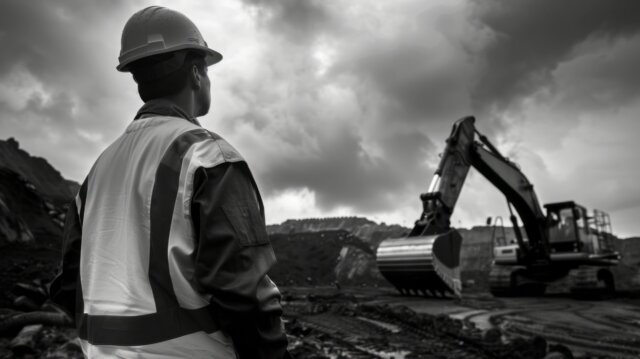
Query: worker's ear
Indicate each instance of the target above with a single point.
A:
(195, 77)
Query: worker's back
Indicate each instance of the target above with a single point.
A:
(136, 258)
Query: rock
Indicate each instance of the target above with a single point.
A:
(12, 227)
(493, 336)
(25, 304)
(33, 292)
(72, 345)
(538, 347)
(555, 355)
(14, 323)
(561, 350)
(23, 343)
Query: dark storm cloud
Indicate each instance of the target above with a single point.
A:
(419, 85)
(56, 66)
(344, 174)
(531, 38)
(299, 21)
(313, 141)
(604, 77)
(420, 78)
(48, 37)
(371, 143)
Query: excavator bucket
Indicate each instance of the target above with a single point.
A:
(422, 264)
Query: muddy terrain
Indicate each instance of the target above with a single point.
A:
(379, 323)
(327, 322)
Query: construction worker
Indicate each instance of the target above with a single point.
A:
(165, 246)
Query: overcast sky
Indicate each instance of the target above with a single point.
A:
(341, 107)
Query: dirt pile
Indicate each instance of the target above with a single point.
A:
(334, 257)
(627, 272)
(329, 251)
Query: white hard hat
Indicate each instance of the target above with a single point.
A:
(157, 30)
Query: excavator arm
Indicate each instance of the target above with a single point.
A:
(432, 246)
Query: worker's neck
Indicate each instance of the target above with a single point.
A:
(186, 101)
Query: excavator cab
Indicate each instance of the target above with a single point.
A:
(571, 229)
(565, 227)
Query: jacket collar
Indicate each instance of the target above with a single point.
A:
(164, 107)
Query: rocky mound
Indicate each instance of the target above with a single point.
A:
(33, 203)
(329, 251)
(37, 172)
(333, 257)
(33, 197)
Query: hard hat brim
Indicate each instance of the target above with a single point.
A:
(211, 56)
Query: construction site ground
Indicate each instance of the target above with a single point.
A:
(331, 322)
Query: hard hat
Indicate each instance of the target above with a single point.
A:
(157, 30)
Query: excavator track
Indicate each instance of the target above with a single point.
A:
(500, 281)
(512, 281)
(591, 282)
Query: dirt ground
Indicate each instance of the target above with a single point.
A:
(378, 323)
(331, 322)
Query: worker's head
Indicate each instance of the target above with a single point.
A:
(170, 74)
(167, 56)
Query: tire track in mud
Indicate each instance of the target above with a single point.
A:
(607, 336)
(517, 321)
(375, 325)
(347, 333)
(378, 335)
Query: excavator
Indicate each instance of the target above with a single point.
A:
(566, 243)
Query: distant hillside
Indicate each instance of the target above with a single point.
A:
(367, 230)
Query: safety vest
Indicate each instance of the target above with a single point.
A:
(137, 296)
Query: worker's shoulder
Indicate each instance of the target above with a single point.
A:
(219, 144)
(206, 145)
(187, 139)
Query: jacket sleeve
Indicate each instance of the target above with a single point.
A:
(233, 256)
(63, 288)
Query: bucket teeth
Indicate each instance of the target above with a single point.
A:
(422, 264)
